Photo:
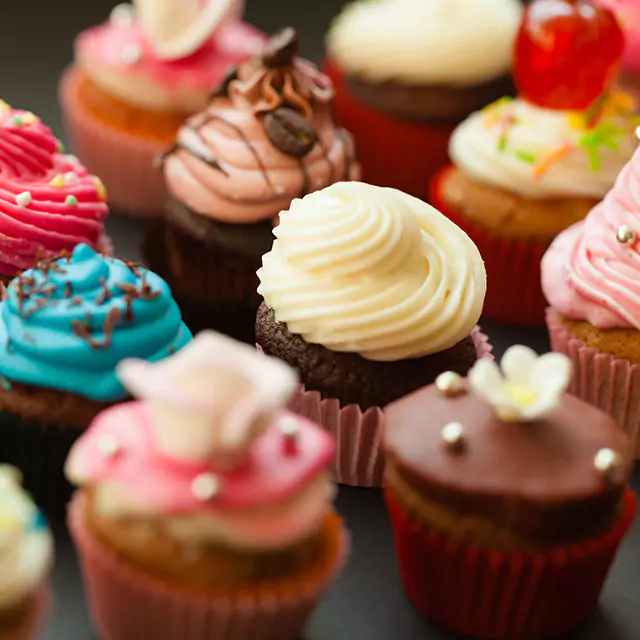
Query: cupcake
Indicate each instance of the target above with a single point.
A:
(204, 507)
(64, 326)
(526, 169)
(26, 555)
(589, 278)
(137, 77)
(48, 201)
(265, 138)
(407, 71)
(369, 294)
(507, 498)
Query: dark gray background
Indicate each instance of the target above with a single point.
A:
(367, 603)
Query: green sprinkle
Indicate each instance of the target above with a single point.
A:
(71, 201)
(6, 385)
(503, 100)
(17, 120)
(525, 156)
(605, 135)
(502, 142)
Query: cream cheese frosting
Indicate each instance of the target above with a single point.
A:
(426, 42)
(542, 153)
(374, 271)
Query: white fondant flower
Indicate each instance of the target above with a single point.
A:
(212, 398)
(527, 387)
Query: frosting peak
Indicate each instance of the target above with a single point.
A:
(374, 271)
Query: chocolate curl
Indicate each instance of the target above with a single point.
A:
(281, 49)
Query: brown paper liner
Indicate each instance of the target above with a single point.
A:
(609, 383)
(26, 623)
(124, 162)
(128, 604)
(497, 594)
(359, 460)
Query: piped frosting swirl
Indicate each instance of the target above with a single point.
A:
(374, 271)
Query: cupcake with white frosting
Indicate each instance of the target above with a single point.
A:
(407, 71)
(369, 294)
(26, 555)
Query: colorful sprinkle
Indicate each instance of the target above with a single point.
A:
(102, 192)
(17, 120)
(4, 106)
(122, 15)
(60, 146)
(525, 156)
(29, 118)
(70, 178)
(57, 182)
(6, 385)
(23, 199)
(605, 135)
(546, 163)
(71, 201)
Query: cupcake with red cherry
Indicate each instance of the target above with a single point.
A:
(205, 504)
(526, 169)
(137, 77)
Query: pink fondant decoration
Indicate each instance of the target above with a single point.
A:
(65, 205)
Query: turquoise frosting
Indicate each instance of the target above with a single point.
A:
(67, 323)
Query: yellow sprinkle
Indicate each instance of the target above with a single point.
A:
(4, 106)
(102, 192)
(57, 182)
(577, 120)
(29, 118)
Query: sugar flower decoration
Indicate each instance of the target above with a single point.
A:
(212, 399)
(525, 386)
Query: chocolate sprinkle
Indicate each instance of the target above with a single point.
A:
(105, 294)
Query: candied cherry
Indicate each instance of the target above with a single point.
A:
(567, 54)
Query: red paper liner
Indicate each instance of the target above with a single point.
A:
(127, 604)
(124, 162)
(359, 460)
(28, 622)
(392, 152)
(609, 383)
(514, 292)
(497, 594)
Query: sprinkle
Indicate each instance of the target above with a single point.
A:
(4, 106)
(453, 436)
(121, 15)
(29, 118)
(109, 446)
(605, 135)
(70, 177)
(71, 201)
(23, 199)
(610, 465)
(450, 384)
(6, 385)
(525, 156)
(17, 120)
(102, 192)
(60, 146)
(131, 54)
(205, 486)
(70, 158)
(546, 163)
(57, 182)
(625, 234)
(502, 142)
(289, 427)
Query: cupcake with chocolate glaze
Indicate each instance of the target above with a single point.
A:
(266, 137)
(64, 327)
(26, 557)
(48, 201)
(370, 294)
(137, 77)
(205, 504)
(503, 479)
(407, 71)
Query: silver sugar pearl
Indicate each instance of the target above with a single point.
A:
(453, 436)
(205, 486)
(625, 234)
(109, 446)
(610, 465)
(450, 383)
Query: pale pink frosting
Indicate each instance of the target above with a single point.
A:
(587, 273)
(628, 14)
(61, 204)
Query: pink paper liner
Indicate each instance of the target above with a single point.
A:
(359, 461)
(126, 604)
(609, 383)
(30, 623)
(501, 594)
(125, 163)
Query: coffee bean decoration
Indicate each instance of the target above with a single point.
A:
(222, 91)
(290, 132)
(281, 49)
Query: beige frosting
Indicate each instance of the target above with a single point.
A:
(425, 42)
(374, 271)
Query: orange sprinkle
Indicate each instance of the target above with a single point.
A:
(546, 163)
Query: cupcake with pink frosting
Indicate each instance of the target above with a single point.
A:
(49, 203)
(137, 77)
(591, 278)
(205, 504)
(266, 138)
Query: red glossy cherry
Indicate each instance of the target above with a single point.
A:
(567, 54)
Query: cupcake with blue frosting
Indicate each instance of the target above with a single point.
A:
(64, 327)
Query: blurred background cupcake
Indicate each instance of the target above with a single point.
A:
(591, 278)
(266, 137)
(137, 77)
(26, 557)
(49, 202)
(507, 497)
(64, 326)
(525, 169)
(407, 71)
(369, 294)
(211, 508)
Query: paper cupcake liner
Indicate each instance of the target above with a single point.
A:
(127, 604)
(28, 622)
(125, 163)
(39, 450)
(514, 292)
(497, 594)
(359, 460)
(392, 152)
(609, 383)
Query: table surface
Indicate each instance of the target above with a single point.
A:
(367, 602)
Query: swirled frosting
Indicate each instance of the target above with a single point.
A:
(209, 450)
(374, 271)
(227, 163)
(26, 545)
(541, 153)
(67, 323)
(628, 14)
(591, 272)
(48, 201)
(426, 42)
